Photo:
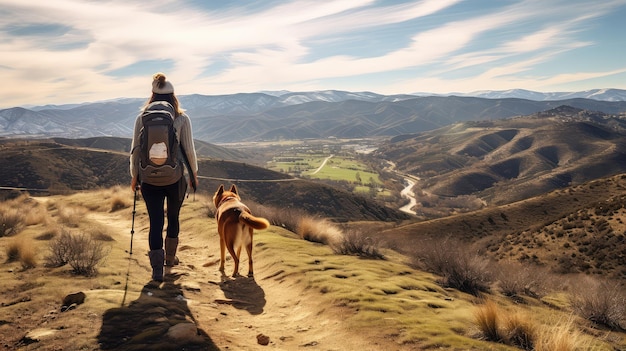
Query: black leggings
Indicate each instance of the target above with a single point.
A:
(155, 196)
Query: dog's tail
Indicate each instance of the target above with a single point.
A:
(252, 221)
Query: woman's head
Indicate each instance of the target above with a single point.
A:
(163, 90)
(160, 85)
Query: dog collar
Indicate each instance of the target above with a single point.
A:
(225, 199)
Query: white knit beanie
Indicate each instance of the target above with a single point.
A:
(160, 85)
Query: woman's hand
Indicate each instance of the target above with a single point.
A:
(193, 181)
(133, 184)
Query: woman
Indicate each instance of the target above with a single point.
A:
(154, 195)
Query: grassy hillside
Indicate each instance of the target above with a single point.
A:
(576, 229)
(303, 295)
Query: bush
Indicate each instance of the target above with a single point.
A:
(59, 250)
(516, 279)
(118, 203)
(80, 251)
(319, 231)
(12, 250)
(359, 244)
(11, 221)
(601, 302)
(460, 267)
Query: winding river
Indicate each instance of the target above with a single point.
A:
(408, 193)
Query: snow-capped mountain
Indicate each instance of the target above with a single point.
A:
(594, 94)
(296, 115)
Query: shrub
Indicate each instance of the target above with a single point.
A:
(459, 266)
(602, 302)
(319, 230)
(11, 221)
(59, 250)
(80, 251)
(118, 203)
(359, 244)
(12, 250)
(517, 279)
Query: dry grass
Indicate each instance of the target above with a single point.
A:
(99, 232)
(28, 255)
(319, 230)
(487, 318)
(562, 336)
(70, 215)
(515, 279)
(521, 331)
(374, 298)
(119, 202)
(23, 251)
(11, 221)
(459, 266)
(602, 302)
(359, 244)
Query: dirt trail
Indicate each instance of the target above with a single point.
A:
(230, 313)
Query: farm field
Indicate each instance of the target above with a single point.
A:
(324, 166)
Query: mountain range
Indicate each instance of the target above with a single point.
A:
(300, 115)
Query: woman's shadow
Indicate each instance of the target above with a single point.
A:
(158, 320)
(242, 293)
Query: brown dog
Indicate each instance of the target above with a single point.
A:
(235, 225)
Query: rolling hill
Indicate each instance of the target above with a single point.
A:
(571, 230)
(507, 160)
(52, 167)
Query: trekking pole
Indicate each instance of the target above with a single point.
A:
(132, 227)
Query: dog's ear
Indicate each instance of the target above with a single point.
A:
(233, 189)
(220, 190)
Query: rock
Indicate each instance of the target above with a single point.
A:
(183, 331)
(73, 299)
(263, 339)
(36, 335)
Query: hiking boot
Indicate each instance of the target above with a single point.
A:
(156, 262)
(171, 244)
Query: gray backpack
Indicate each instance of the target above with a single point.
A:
(159, 147)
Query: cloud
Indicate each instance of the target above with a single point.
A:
(76, 50)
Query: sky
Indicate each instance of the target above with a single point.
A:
(74, 51)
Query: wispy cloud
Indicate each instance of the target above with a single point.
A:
(59, 51)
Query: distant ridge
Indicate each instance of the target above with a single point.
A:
(594, 94)
(300, 115)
